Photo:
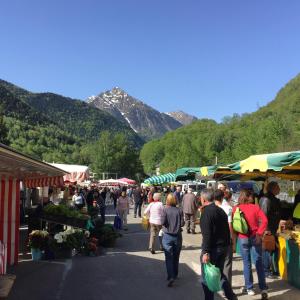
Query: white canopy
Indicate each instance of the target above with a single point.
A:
(111, 182)
(77, 173)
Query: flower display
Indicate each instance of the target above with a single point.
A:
(38, 239)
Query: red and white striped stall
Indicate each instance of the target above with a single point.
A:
(14, 168)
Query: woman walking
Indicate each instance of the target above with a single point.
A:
(155, 212)
(252, 241)
(122, 208)
(172, 239)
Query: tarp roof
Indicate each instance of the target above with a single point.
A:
(161, 179)
(285, 165)
(77, 173)
(20, 166)
(186, 173)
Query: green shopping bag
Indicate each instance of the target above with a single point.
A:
(239, 222)
(212, 276)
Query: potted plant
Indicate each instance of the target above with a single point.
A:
(65, 241)
(37, 241)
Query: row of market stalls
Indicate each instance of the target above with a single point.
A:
(283, 166)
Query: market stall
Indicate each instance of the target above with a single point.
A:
(14, 168)
(286, 166)
(160, 179)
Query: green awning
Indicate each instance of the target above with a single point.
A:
(161, 179)
(186, 173)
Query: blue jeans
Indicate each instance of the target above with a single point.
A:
(217, 258)
(172, 246)
(246, 246)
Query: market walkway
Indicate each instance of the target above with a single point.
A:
(127, 271)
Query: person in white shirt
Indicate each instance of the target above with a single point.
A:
(155, 212)
(221, 200)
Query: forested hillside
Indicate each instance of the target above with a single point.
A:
(33, 133)
(74, 116)
(272, 128)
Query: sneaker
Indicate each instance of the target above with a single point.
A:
(264, 295)
(250, 292)
(170, 282)
(188, 231)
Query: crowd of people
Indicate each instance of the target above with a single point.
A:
(169, 210)
(262, 214)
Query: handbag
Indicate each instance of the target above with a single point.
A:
(117, 222)
(268, 242)
(145, 222)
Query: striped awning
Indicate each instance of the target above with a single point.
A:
(161, 179)
(44, 181)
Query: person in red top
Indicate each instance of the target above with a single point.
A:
(257, 224)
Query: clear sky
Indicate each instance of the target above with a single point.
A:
(209, 58)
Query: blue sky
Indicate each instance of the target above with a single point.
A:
(208, 58)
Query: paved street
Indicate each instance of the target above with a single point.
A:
(127, 271)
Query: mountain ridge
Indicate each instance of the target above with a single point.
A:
(148, 122)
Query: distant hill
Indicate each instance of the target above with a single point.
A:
(273, 128)
(34, 133)
(74, 116)
(182, 117)
(143, 119)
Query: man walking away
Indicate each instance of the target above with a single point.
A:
(189, 209)
(215, 242)
(178, 196)
(138, 201)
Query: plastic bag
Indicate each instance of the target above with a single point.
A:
(145, 222)
(212, 276)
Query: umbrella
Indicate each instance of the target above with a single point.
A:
(128, 181)
(160, 179)
(111, 182)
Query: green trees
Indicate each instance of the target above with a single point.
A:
(3, 128)
(113, 153)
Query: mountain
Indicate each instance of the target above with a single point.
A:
(54, 128)
(74, 116)
(143, 119)
(34, 133)
(182, 117)
(273, 128)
